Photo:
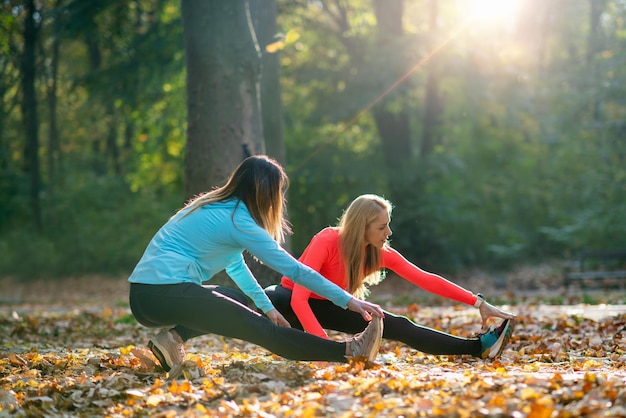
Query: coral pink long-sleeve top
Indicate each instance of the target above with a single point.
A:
(324, 255)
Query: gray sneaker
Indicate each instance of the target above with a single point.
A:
(366, 343)
(167, 350)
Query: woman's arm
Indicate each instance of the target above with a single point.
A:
(300, 305)
(430, 282)
(242, 276)
(436, 284)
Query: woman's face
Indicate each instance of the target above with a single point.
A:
(377, 232)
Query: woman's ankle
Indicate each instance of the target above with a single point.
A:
(176, 336)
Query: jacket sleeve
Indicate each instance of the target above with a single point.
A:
(430, 282)
(242, 276)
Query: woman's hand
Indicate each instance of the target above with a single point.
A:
(487, 310)
(277, 318)
(366, 309)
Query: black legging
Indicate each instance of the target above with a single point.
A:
(396, 327)
(194, 310)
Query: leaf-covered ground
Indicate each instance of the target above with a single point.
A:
(85, 356)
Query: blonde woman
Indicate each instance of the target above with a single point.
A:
(209, 235)
(353, 256)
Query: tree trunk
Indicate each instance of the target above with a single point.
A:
(393, 126)
(594, 47)
(431, 122)
(113, 151)
(53, 134)
(223, 104)
(94, 53)
(265, 14)
(29, 111)
(594, 41)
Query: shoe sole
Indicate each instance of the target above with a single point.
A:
(159, 355)
(371, 356)
(502, 341)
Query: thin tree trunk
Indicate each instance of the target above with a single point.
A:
(29, 112)
(129, 133)
(393, 126)
(95, 61)
(594, 46)
(53, 135)
(265, 14)
(431, 123)
(111, 139)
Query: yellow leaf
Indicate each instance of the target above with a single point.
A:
(176, 388)
(534, 367)
(17, 360)
(378, 406)
(291, 36)
(185, 386)
(173, 388)
(591, 363)
(274, 47)
(590, 377)
(157, 385)
(529, 393)
(498, 400)
(126, 350)
(540, 411)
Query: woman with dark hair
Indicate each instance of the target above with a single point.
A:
(209, 235)
(353, 256)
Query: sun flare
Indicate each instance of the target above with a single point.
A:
(490, 11)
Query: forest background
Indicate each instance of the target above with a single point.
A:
(499, 139)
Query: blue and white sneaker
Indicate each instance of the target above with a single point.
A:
(493, 341)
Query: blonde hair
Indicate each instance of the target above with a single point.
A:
(362, 260)
(260, 183)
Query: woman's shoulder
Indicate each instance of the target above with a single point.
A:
(233, 206)
(328, 233)
(388, 253)
(231, 211)
(229, 204)
(390, 256)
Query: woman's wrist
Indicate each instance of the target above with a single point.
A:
(479, 300)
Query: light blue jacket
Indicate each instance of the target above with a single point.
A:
(194, 248)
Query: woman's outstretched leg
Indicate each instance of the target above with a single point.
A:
(194, 310)
(396, 327)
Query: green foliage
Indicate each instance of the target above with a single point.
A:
(93, 225)
(322, 184)
(126, 319)
(529, 162)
